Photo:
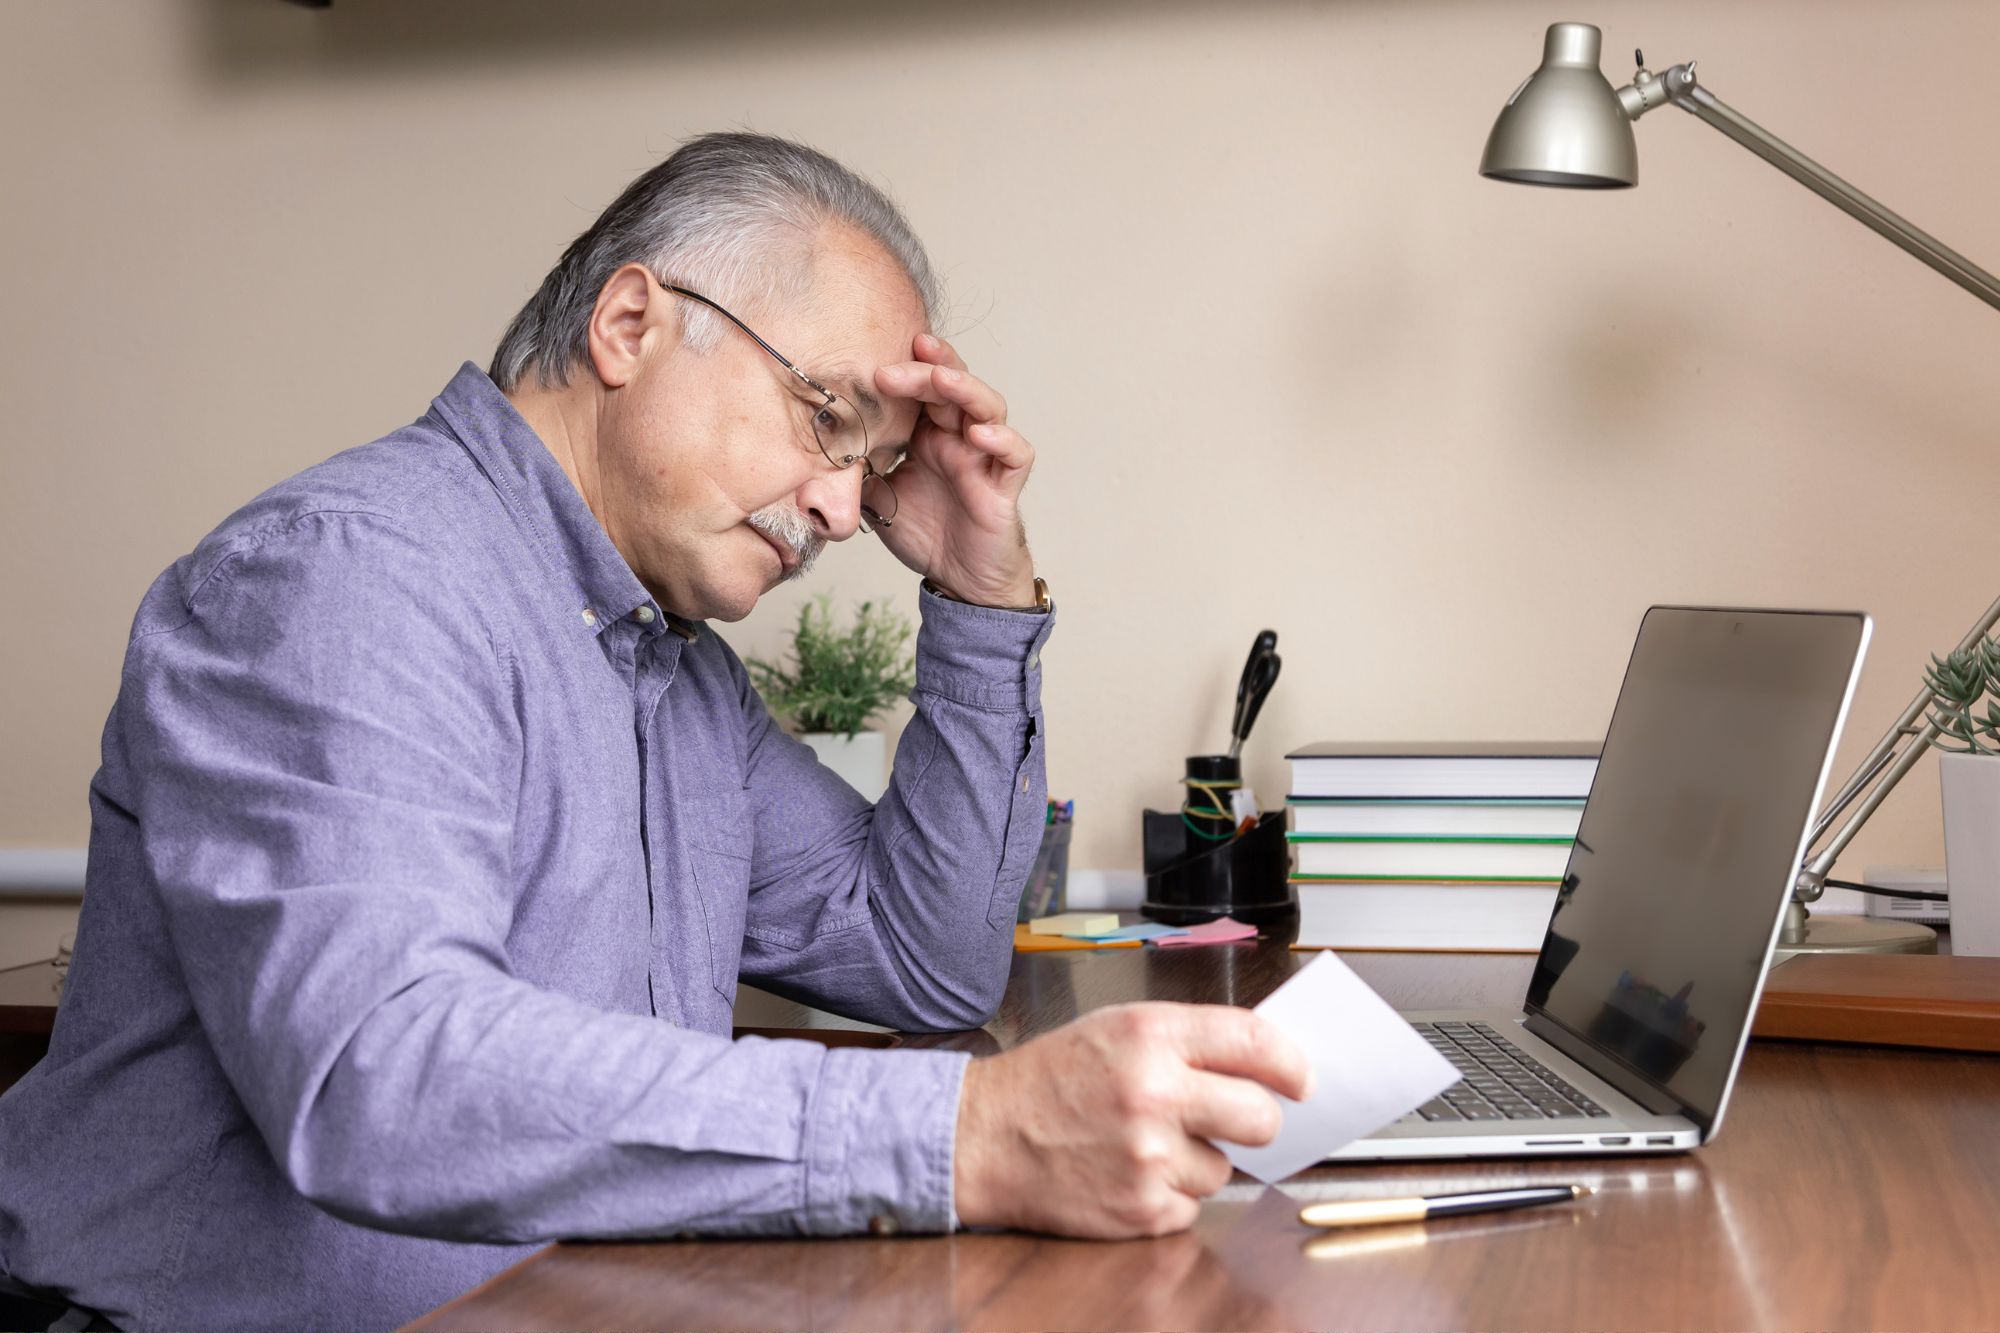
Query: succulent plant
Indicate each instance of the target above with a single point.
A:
(1958, 683)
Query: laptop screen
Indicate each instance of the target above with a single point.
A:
(1690, 840)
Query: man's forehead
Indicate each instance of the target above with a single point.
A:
(846, 359)
(849, 344)
(860, 312)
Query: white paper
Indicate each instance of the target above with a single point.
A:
(1370, 1067)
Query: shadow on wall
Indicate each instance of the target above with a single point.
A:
(257, 40)
(1628, 381)
(1622, 376)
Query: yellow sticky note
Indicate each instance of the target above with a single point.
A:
(1075, 923)
(1026, 943)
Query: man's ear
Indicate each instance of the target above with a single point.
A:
(630, 305)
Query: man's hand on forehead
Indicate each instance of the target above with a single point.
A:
(955, 400)
(940, 381)
(958, 523)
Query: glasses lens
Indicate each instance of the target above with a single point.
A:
(841, 436)
(878, 499)
(839, 433)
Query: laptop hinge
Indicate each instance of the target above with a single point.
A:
(1646, 1093)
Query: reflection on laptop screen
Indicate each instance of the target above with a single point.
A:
(1689, 841)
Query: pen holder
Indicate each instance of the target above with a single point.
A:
(1191, 878)
(1047, 891)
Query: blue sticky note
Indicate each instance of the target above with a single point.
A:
(1144, 930)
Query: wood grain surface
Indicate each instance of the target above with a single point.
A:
(1850, 1188)
(1905, 999)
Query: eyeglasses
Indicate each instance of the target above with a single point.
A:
(836, 426)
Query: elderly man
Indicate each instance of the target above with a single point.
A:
(436, 825)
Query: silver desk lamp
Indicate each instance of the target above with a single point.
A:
(1567, 126)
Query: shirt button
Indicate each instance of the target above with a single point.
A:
(882, 1226)
(589, 616)
(644, 615)
(1024, 782)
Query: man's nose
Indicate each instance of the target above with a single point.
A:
(831, 502)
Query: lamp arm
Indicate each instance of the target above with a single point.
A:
(1911, 734)
(1886, 764)
(1679, 87)
(1812, 876)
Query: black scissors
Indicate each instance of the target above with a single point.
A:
(1260, 673)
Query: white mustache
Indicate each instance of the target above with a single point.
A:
(786, 526)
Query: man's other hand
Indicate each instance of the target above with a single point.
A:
(1100, 1128)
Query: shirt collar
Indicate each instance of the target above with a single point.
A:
(544, 501)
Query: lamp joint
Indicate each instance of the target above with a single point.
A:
(1680, 85)
(1809, 885)
(1645, 92)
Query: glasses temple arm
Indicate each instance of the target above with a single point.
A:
(776, 355)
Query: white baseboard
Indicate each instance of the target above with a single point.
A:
(1106, 890)
(41, 872)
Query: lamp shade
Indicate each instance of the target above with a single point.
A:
(1564, 126)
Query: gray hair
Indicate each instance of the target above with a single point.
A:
(731, 216)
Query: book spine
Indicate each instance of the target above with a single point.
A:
(1470, 778)
(1459, 880)
(1415, 821)
(1426, 839)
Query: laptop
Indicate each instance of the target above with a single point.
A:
(1634, 1022)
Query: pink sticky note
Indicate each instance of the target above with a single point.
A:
(1220, 931)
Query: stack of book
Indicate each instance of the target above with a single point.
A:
(1447, 845)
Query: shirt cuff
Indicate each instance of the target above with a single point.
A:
(981, 656)
(879, 1143)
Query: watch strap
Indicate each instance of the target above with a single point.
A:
(1041, 606)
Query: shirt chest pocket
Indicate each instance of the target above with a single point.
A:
(719, 851)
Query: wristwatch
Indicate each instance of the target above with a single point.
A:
(1041, 606)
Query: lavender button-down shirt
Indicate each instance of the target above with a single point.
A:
(425, 856)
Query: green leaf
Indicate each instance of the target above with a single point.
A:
(1959, 682)
(838, 679)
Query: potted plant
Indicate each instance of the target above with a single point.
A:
(1969, 779)
(837, 680)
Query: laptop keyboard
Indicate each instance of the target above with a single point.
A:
(1498, 1080)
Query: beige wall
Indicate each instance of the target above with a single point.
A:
(1287, 359)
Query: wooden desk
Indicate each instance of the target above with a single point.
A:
(1851, 1187)
(28, 998)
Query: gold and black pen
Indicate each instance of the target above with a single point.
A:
(1368, 1212)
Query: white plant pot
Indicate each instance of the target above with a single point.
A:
(1971, 788)
(862, 759)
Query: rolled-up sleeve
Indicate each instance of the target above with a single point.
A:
(902, 913)
(330, 761)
